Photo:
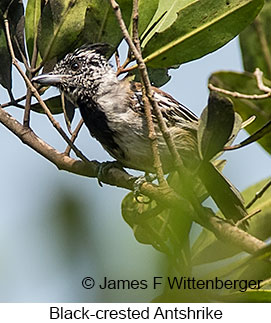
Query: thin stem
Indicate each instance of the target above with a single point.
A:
(239, 95)
(122, 69)
(259, 78)
(125, 69)
(29, 93)
(22, 55)
(259, 194)
(117, 59)
(27, 108)
(74, 136)
(249, 216)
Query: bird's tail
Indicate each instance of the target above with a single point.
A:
(226, 196)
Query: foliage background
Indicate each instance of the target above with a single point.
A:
(56, 228)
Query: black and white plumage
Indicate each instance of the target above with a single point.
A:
(113, 111)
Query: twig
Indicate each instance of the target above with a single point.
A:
(239, 95)
(29, 93)
(259, 78)
(13, 102)
(135, 36)
(125, 69)
(22, 55)
(41, 102)
(122, 69)
(74, 136)
(117, 177)
(249, 216)
(27, 108)
(259, 194)
(117, 59)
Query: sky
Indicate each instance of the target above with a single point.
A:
(46, 249)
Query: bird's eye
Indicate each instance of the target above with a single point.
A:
(75, 65)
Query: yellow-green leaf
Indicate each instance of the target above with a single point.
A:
(200, 28)
(32, 18)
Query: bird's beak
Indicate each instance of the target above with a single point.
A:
(48, 79)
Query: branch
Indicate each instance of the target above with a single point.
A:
(14, 102)
(259, 78)
(239, 95)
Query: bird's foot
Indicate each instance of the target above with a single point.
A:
(104, 168)
(138, 183)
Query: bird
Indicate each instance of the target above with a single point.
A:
(113, 112)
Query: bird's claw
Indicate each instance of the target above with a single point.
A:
(138, 183)
(104, 168)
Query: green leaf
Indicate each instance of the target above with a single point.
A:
(16, 25)
(54, 104)
(32, 18)
(67, 24)
(165, 15)
(255, 42)
(5, 70)
(62, 21)
(158, 76)
(102, 22)
(146, 11)
(215, 126)
(14, 11)
(246, 83)
(199, 28)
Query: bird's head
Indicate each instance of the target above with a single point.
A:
(83, 73)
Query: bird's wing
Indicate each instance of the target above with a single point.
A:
(173, 111)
